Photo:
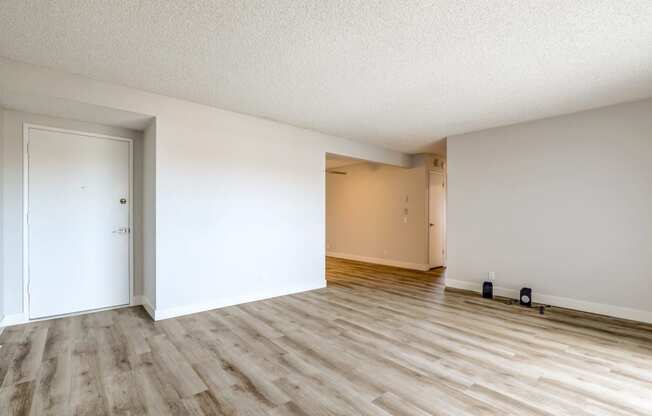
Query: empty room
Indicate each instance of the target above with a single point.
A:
(380, 208)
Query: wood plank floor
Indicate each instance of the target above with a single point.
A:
(377, 341)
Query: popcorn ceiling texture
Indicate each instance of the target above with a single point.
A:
(396, 73)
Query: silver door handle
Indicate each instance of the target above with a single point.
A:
(121, 230)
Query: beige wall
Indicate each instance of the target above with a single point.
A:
(365, 215)
(562, 205)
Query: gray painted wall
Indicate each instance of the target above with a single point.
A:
(561, 205)
(149, 216)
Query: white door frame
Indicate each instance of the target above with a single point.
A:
(445, 248)
(26, 128)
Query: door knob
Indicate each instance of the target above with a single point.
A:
(121, 230)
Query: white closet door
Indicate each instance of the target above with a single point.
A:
(78, 219)
(437, 208)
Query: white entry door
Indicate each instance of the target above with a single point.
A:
(78, 196)
(437, 217)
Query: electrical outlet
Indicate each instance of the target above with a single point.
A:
(491, 276)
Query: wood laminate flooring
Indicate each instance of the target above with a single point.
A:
(376, 341)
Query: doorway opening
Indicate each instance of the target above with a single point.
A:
(387, 215)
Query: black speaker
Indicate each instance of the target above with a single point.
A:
(488, 290)
(526, 297)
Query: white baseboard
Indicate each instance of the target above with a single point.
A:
(559, 301)
(477, 287)
(172, 312)
(384, 262)
(19, 318)
(144, 301)
(13, 319)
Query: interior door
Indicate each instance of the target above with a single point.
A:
(436, 214)
(78, 221)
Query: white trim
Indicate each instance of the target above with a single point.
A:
(441, 173)
(562, 302)
(11, 320)
(19, 318)
(151, 310)
(25, 230)
(475, 287)
(131, 201)
(175, 311)
(384, 262)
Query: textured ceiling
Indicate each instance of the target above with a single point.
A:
(397, 73)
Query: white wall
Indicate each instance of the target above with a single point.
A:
(2, 280)
(239, 209)
(12, 198)
(149, 217)
(365, 214)
(561, 205)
